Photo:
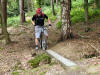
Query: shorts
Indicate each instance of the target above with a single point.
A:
(38, 30)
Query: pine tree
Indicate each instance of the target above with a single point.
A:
(3, 9)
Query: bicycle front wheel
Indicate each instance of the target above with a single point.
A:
(44, 44)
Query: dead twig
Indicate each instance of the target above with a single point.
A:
(94, 48)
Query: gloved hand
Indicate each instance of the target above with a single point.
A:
(50, 26)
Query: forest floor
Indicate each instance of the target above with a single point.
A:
(83, 49)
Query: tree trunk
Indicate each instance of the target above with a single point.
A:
(0, 12)
(57, 3)
(32, 5)
(3, 8)
(66, 23)
(29, 5)
(52, 5)
(86, 10)
(22, 13)
(95, 3)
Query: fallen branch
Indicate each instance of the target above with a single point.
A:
(85, 37)
(94, 48)
(24, 27)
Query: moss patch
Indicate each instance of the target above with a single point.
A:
(42, 58)
(1, 49)
(15, 73)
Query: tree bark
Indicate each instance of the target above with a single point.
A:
(52, 5)
(22, 13)
(86, 10)
(95, 3)
(0, 12)
(32, 5)
(29, 5)
(57, 3)
(3, 8)
(66, 23)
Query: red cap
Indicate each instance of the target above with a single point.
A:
(39, 11)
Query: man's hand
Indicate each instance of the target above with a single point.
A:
(50, 25)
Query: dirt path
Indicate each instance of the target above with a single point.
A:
(20, 50)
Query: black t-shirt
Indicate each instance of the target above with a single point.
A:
(39, 20)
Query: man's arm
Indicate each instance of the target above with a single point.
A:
(49, 21)
(33, 22)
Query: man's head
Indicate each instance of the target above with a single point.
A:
(39, 11)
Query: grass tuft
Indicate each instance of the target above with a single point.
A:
(40, 58)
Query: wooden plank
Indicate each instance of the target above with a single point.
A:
(63, 60)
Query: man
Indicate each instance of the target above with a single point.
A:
(38, 21)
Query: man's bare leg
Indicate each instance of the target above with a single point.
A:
(37, 43)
